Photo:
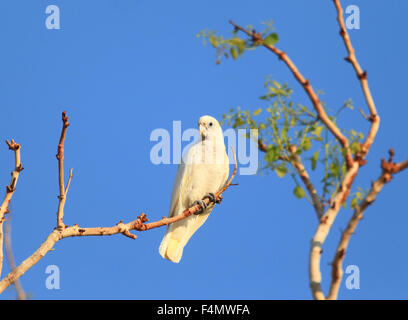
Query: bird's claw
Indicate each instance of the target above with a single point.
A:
(211, 197)
(219, 199)
(202, 205)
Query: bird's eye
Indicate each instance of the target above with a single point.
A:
(210, 124)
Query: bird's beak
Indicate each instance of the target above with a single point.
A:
(202, 128)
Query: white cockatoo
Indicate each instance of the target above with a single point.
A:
(204, 169)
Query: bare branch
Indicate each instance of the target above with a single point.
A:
(362, 76)
(60, 157)
(323, 229)
(9, 191)
(69, 181)
(301, 171)
(32, 260)
(402, 166)
(262, 146)
(388, 170)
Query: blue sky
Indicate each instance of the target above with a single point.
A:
(124, 68)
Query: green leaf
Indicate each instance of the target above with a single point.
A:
(334, 168)
(214, 41)
(299, 192)
(271, 39)
(292, 122)
(307, 144)
(239, 43)
(284, 134)
(234, 53)
(353, 203)
(276, 84)
(256, 112)
(318, 131)
(355, 147)
(281, 171)
(314, 159)
(272, 154)
(238, 123)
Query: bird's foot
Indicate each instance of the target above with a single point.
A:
(213, 198)
(210, 197)
(202, 205)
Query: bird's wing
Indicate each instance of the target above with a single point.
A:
(181, 186)
(193, 181)
(220, 177)
(177, 186)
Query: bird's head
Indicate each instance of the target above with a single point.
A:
(209, 128)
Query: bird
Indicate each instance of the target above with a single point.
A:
(203, 170)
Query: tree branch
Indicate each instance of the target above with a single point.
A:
(304, 176)
(353, 165)
(60, 157)
(257, 38)
(9, 191)
(388, 170)
(323, 229)
(62, 231)
(328, 218)
(297, 164)
(69, 181)
(362, 76)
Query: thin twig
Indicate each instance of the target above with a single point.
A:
(69, 181)
(9, 191)
(60, 157)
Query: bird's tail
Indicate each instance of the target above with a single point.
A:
(171, 248)
(177, 236)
